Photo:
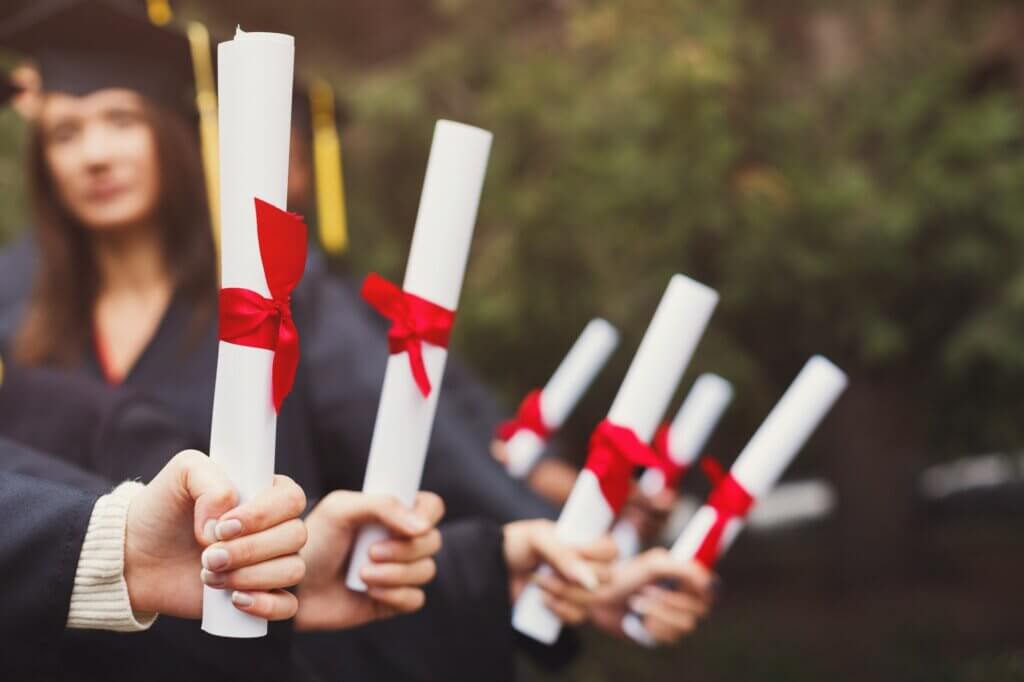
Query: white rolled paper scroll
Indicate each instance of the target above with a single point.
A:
(758, 468)
(563, 390)
(692, 426)
(663, 355)
(255, 103)
(687, 434)
(437, 263)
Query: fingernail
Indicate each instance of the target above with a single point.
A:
(381, 552)
(585, 575)
(416, 524)
(638, 605)
(209, 534)
(212, 579)
(215, 559)
(242, 599)
(228, 529)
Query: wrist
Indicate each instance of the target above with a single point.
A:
(135, 572)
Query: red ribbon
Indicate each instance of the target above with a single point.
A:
(670, 469)
(528, 417)
(249, 319)
(614, 452)
(730, 500)
(413, 321)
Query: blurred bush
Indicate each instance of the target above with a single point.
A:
(849, 179)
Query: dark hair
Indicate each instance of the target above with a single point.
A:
(58, 326)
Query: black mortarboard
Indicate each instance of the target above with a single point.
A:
(81, 46)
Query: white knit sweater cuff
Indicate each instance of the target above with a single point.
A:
(99, 600)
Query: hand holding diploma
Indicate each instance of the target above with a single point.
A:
(421, 313)
(575, 575)
(188, 523)
(671, 597)
(619, 443)
(399, 568)
(263, 251)
(773, 447)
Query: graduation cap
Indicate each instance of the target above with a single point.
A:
(81, 46)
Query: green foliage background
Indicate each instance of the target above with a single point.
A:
(873, 215)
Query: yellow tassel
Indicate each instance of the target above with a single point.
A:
(159, 11)
(330, 183)
(206, 103)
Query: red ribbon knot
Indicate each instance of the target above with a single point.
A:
(528, 417)
(250, 319)
(730, 500)
(414, 320)
(615, 451)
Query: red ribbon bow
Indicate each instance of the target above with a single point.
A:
(730, 500)
(614, 452)
(249, 319)
(413, 321)
(527, 417)
(670, 469)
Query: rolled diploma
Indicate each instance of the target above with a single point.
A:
(255, 83)
(563, 390)
(437, 263)
(692, 426)
(664, 353)
(759, 467)
(687, 435)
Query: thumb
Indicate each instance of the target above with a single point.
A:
(565, 559)
(636, 572)
(658, 564)
(209, 488)
(348, 509)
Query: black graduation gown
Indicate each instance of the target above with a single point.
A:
(463, 633)
(40, 540)
(91, 425)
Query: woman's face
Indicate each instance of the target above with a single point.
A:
(101, 152)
